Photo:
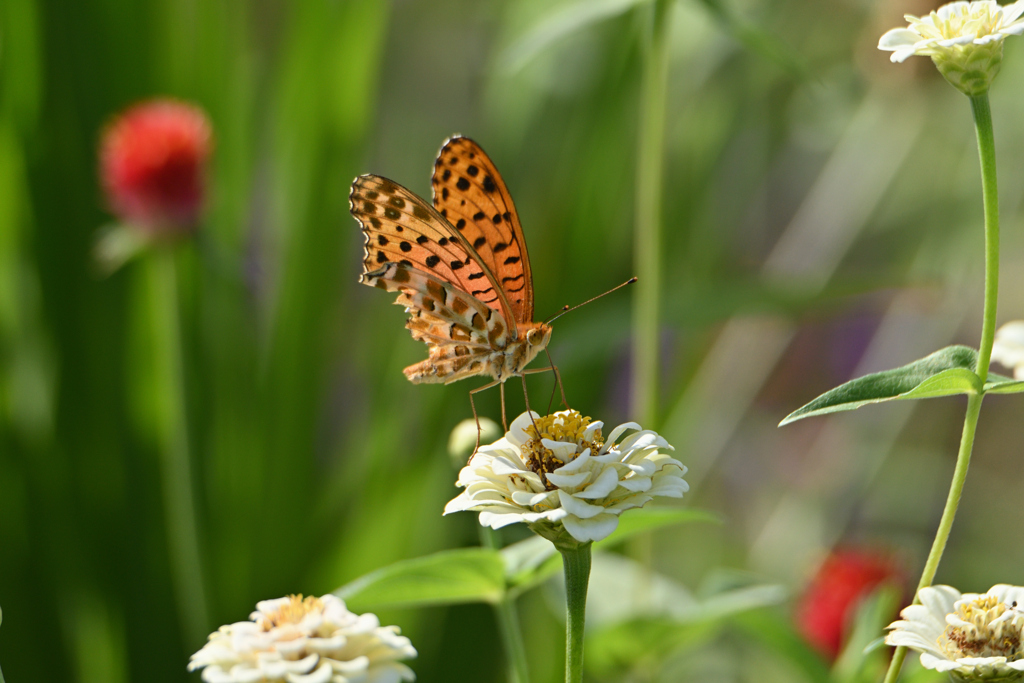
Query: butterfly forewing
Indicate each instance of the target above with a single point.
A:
(401, 228)
(470, 194)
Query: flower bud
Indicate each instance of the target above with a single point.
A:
(152, 166)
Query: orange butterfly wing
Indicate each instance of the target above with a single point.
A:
(470, 194)
(400, 227)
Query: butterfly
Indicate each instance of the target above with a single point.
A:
(460, 268)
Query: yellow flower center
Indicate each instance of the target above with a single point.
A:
(565, 428)
(991, 629)
(977, 19)
(291, 612)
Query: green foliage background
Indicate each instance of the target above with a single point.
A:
(822, 219)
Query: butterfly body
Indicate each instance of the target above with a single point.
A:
(465, 337)
(459, 266)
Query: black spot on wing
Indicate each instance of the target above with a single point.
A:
(479, 242)
(489, 185)
(478, 216)
(422, 239)
(433, 260)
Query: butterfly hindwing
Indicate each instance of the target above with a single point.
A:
(401, 228)
(470, 193)
(459, 330)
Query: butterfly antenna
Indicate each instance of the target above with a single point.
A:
(566, 308)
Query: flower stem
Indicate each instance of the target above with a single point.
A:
(176, 475)
(576, 565)
(987, 154)
(508, 622)
(649, 191)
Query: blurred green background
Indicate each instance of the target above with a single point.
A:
(822, 218)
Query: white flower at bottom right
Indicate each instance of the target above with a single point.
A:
(972, 636)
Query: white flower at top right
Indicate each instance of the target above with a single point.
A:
(1008, 347)
(964, 39)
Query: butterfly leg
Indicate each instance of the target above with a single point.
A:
(504, 422)
(526, 399)
(558, 377)
(476, 417)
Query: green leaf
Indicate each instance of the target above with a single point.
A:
(944, 373)
(651, 638)
(448, 577)
(634, 522)
(856, 664)
(561, 22)
(531, 561)
(756, 40)
(775, 632)
(997, 384)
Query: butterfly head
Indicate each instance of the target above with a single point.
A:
(538, 336)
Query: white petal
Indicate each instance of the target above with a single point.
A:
(593, 529)
(898, 38)
(575, 506)
(568, 481)
(939, 600)
(321, 675)
(605, 484)
(930, 661)
(617, 432)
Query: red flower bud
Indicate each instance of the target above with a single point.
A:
(152, 165)
(828, 606)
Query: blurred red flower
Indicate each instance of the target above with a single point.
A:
(152, 165)
(827, 608)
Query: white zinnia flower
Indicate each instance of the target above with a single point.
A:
(311, 640)
(964, 39)
(571, 480)
(973, 637)
(1008, 347)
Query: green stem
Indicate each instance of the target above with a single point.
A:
(508, 622)
(987, 155)
(576, 565)
(176, 474)
(649, 190)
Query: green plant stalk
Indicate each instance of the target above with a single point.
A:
(987, 155)
(508, 622)
(176, 474)
(576, 565)
(649, 192)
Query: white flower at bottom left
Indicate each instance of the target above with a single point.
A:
(305, 640)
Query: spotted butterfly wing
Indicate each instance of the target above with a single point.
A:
(470, 193)
(460, 267)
